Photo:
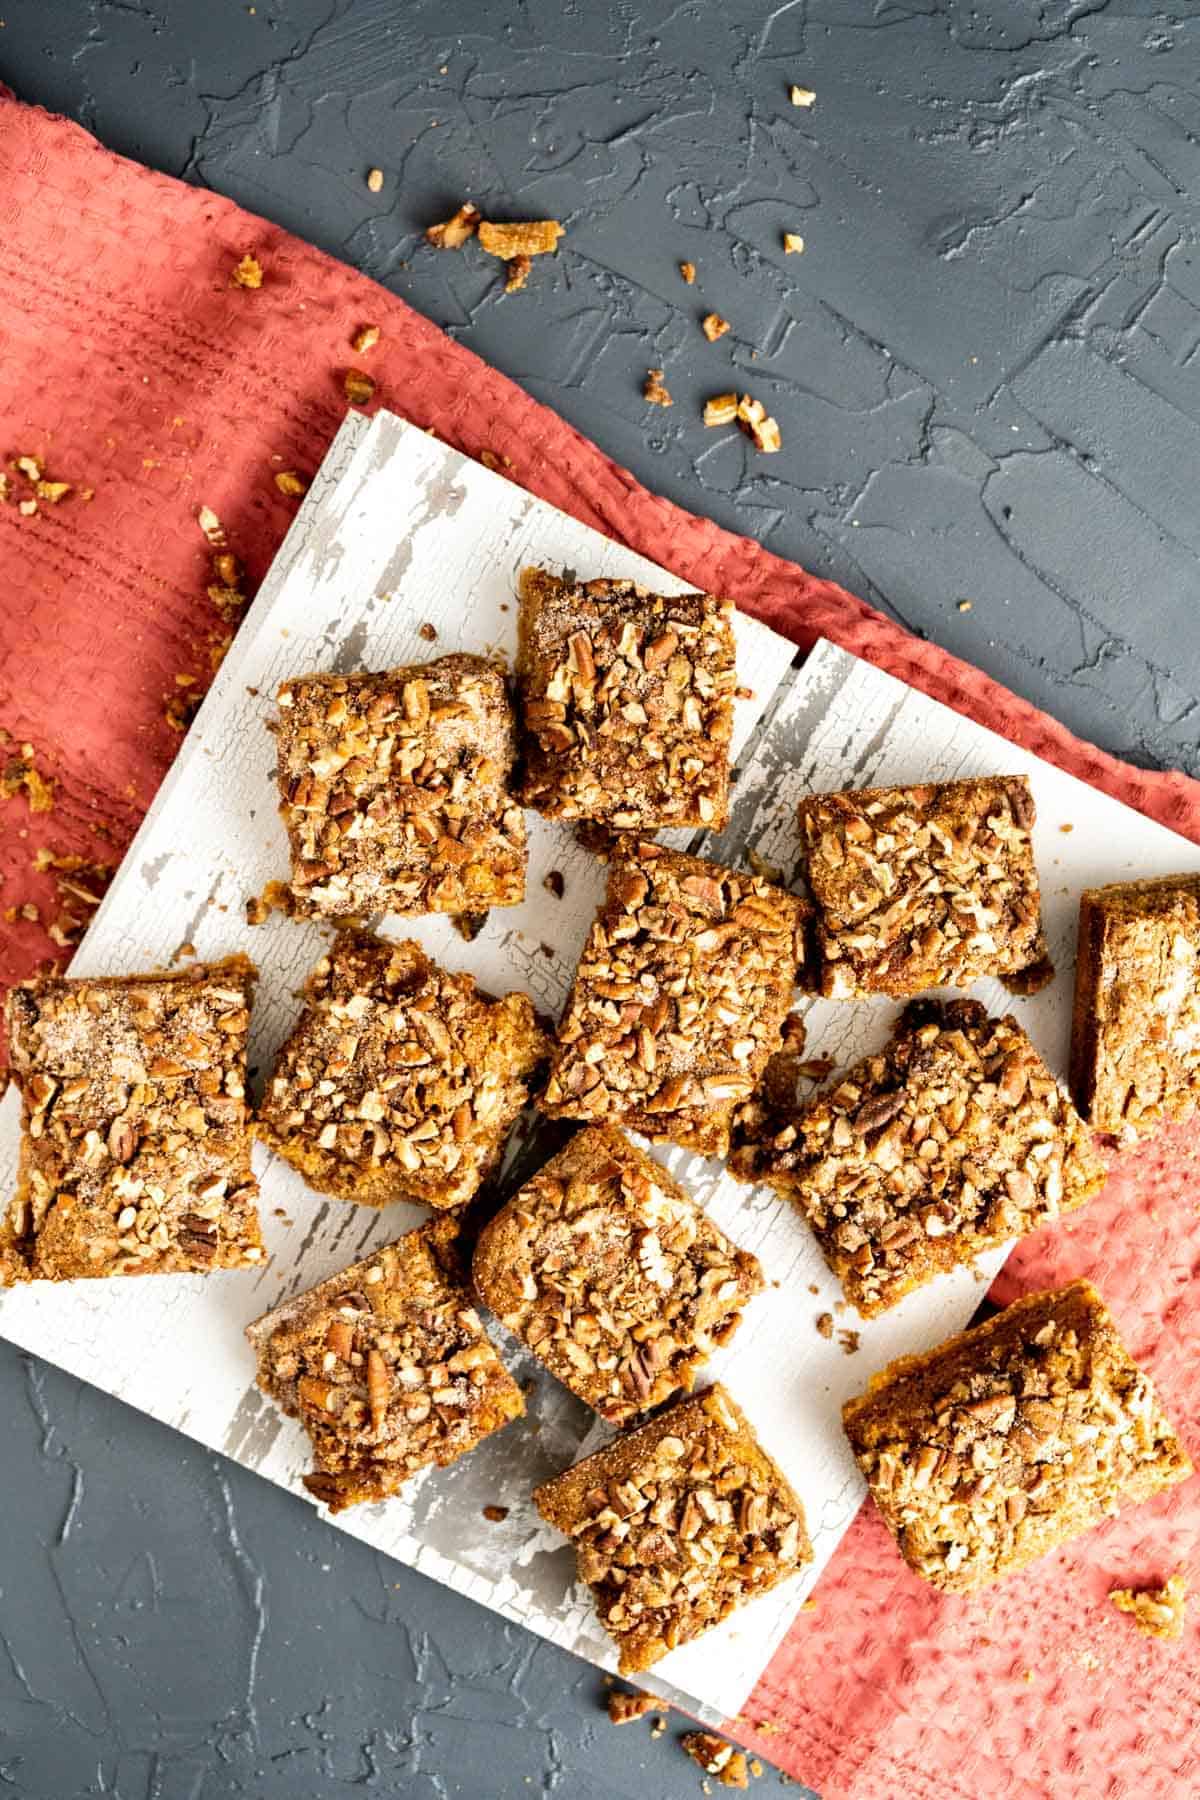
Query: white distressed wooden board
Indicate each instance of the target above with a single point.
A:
(396, 531)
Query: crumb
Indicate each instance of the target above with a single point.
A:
(531, 237)
(547, 950)
(848, 1340)
(358, 387)
(227, 568)
(516, 273)
(364, 339)
(825, 1324)
(248, 273)
(291, 484)
(183, 952)
(965, 605)
(53, 491)
(555, 883)
(428, 632)
(212, 527)
(21, 772)
(743, 693)
(181, 708)
(30, 467)
(714, 326)
(468, 925)
(375, 180)
(793, 243)
(722, 409)
(495, 1514)
(496, 463)
(275, 897)
(718, 1758)
(453, 233)
(653, 391)
(624, 1707)
(688, 271)
(1066, 828)
(813, 1288)
(27, 508)
(801, 96)
(767, 1727)
(808, 1606)
(659, 1725)
(27, 911)
(1158, 1611)
(756, 1767)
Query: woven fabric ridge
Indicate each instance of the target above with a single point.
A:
(135, 368)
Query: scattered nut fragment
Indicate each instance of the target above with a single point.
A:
(495, 1514)
(359, 387)
(375, 180)
(1158, 1611)
(714, 326)
(275, 897)
(825, 1324)
(801, 96)
(20, 772)
(555, 883)
(653, 390)
(718, 1758)
(516, 273)
(291, 484)
(497, 463)
(30, 467)
(212, 527)
(722, 409)
(965, 605)
(453, 233)
(428, 632)
(793, 243)
(469, 925)
(365, 338)
(53, 491)
(688, 271)
(248, 273)
(624, 1707)
(529, 237)
(257, 910)
(848, 1340)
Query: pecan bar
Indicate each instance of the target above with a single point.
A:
(679, 997)
(627, 702)
(394, 790)
(388, 1368)
(400, 1080)
(1011, 1438)
(950, 1141)
(921, 887)
(677, 1523)
(613, 1276)
(1135, 1039)
(135, 1150)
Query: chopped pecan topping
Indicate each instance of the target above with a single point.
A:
(624, 1707)
(952, 1140)
(676, 1524)
(394, 790)
(654, 392)
(388, 1368)
(400, 1080)
(714, 326)
(454, 232)
(1011, 1438)
(679, 997)
(627, 702)
(135, 1155)
(612, 1275)
(921, 887)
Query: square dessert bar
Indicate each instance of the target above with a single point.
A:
(612, 1275)
(1011, 1438)
(678, 999)
(394, 790)
(400, 1080)
(627, 701)
(921, 887)
(677, 1523)
(135, 1150)
(1135, 1039)
(950, 1141)
(388, 1368)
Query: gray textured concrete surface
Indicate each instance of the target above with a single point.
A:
(986, 368)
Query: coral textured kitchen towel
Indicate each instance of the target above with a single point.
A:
(133, 368)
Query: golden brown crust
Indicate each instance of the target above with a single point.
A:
(676, 1524)
(613, 1276)
(135, 1152)
(388, 1368)
(1011, 1438)
(679, 997)
(627, 703)
(1135, 1036)
(952, 1140)
(922, 887)
(394, 789)
(400, 1081)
